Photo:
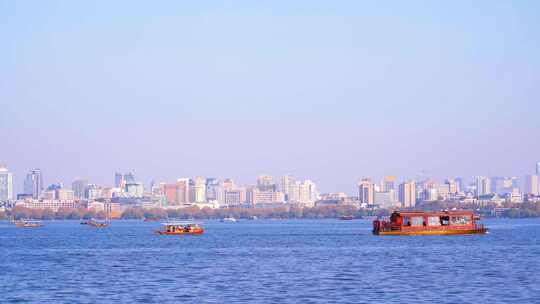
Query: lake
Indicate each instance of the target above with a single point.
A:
(267, 261)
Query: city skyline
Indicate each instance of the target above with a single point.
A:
(313, 88)
(368, 186)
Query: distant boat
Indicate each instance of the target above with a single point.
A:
(346, 217)
(28, 224)
(180, 228)
(95, 224)
(229, 220)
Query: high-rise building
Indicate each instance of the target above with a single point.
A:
(538, 168)
(183, 191)
(303, 192)
(483, 185)
(453, 186)
(503, 185)
(6, 184)
(532, 184)
(171, 193)
(286, 182)
(266, 183)
(93, 191)
(33, 184)
(366, 191)
(388, 183)
(212, 188)
(407, 194)
(199, 189)
(78, 186)
(460, 184)
(121, 179)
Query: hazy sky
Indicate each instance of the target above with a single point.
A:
(329, 90)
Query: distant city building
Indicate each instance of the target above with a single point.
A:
(286, 182)
(453, 186)
(92, 191)
(266, 183)
(388, 184)
(183, 191)
(503, 185)
(431, 194)
(121, 179)
(366, 191)
(134, 189)
(78, 186)
(532, 184)
(64, 194)
(52, 204)
(483, 186)
(171, 193)
(6, 184)
(235, 197)
(407, 194)
(303, 192)
(538, 168)
(260, 197)
(384, 199)
(199, 189)
(212, 188)
(33, 184)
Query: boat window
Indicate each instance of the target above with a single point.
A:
(406, 221)
(434, 221)
(445, 220)
(460, 220)
(417, 221)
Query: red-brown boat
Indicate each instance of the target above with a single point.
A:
(429, 223)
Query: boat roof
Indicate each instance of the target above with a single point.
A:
(435, 213)
(179, 223)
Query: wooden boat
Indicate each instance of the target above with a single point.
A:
(429, 223)
(180, 228)
(28, 224)
(346, 217)
(96, 224)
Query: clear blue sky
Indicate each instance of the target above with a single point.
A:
(330, 90)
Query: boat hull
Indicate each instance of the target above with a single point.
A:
(180, 232)
(434, 232)
(28, 225)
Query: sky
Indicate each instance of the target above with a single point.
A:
(331, 91)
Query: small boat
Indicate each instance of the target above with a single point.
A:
(28, 224)
(429, 223)
(229, 220)
(346, 217)
(180, 228)
(97, 224)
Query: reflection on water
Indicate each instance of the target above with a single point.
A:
(326, 261)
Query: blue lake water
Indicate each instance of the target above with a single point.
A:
(296, 261)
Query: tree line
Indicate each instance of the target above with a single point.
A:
(522, 210)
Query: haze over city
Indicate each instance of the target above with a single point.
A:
(327, 91)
